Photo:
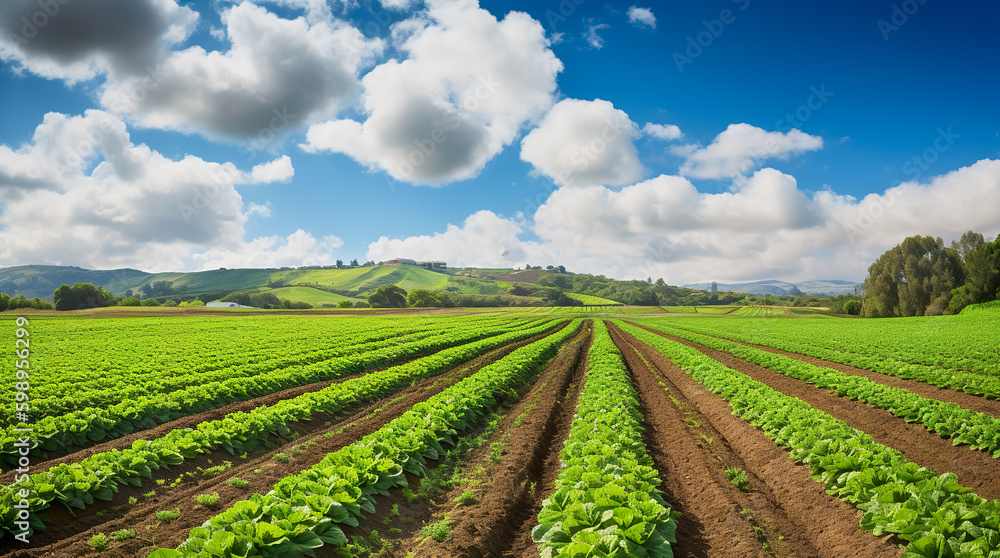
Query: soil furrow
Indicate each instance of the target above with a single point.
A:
(785, 500)
(692, 457)
(976, 469)
(313, 440)
(510, 497)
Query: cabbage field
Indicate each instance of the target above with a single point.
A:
(566, 432)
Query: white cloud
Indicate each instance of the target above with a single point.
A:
(278, 170)
(264, 210)
(667, 132)
(298, 248)
(740, 149)
(765, 228)
(75, 41)
(641, 17)
(592, 37)
(101, 201)
(480, 241)
(277, 75)
(583, 143)
(467, 86)
(398, 4)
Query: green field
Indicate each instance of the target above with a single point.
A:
(589, 300)
(293, 383)
(313, 296)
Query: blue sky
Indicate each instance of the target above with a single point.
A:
(794, 140)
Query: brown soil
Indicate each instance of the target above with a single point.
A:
(788, 510)
(975, 469)
(499, 522)
(67, 536)
(966, 400)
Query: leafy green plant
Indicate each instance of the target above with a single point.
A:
(168, 515)
(123, 534)
(208, 500)
(98, 542)
(738, 477)
(237, 482)
(439, 531)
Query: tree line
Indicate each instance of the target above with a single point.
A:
(922, 276)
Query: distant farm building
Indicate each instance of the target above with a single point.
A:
(431, 265)
(225, 305)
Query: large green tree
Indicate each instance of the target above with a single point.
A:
(80, 296)
(388, 296)
(914, 278)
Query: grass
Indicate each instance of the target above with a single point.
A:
(98, 542)
(738, 477)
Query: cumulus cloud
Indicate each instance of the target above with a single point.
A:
(740, 149)
(298, 248)
(468, 84)
(667, 132)
(278, 74)
(278, 170)
(583, 143)
(77, 40)
(98, 200)
(641, 17)
(766, 227)
(479, 241)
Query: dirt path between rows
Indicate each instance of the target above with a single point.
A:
(975, 469)
(966, 400)
(787, 510)
(509, 498)
(314, 439)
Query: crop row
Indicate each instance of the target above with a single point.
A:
(303, 510)
(66, 397)
(78, 429)
(89, 381)
(963, 426)
(105, 388)
(918, 346)
(606, 502)
(934, 513)
(98, 476)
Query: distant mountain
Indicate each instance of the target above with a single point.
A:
(776, 287)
